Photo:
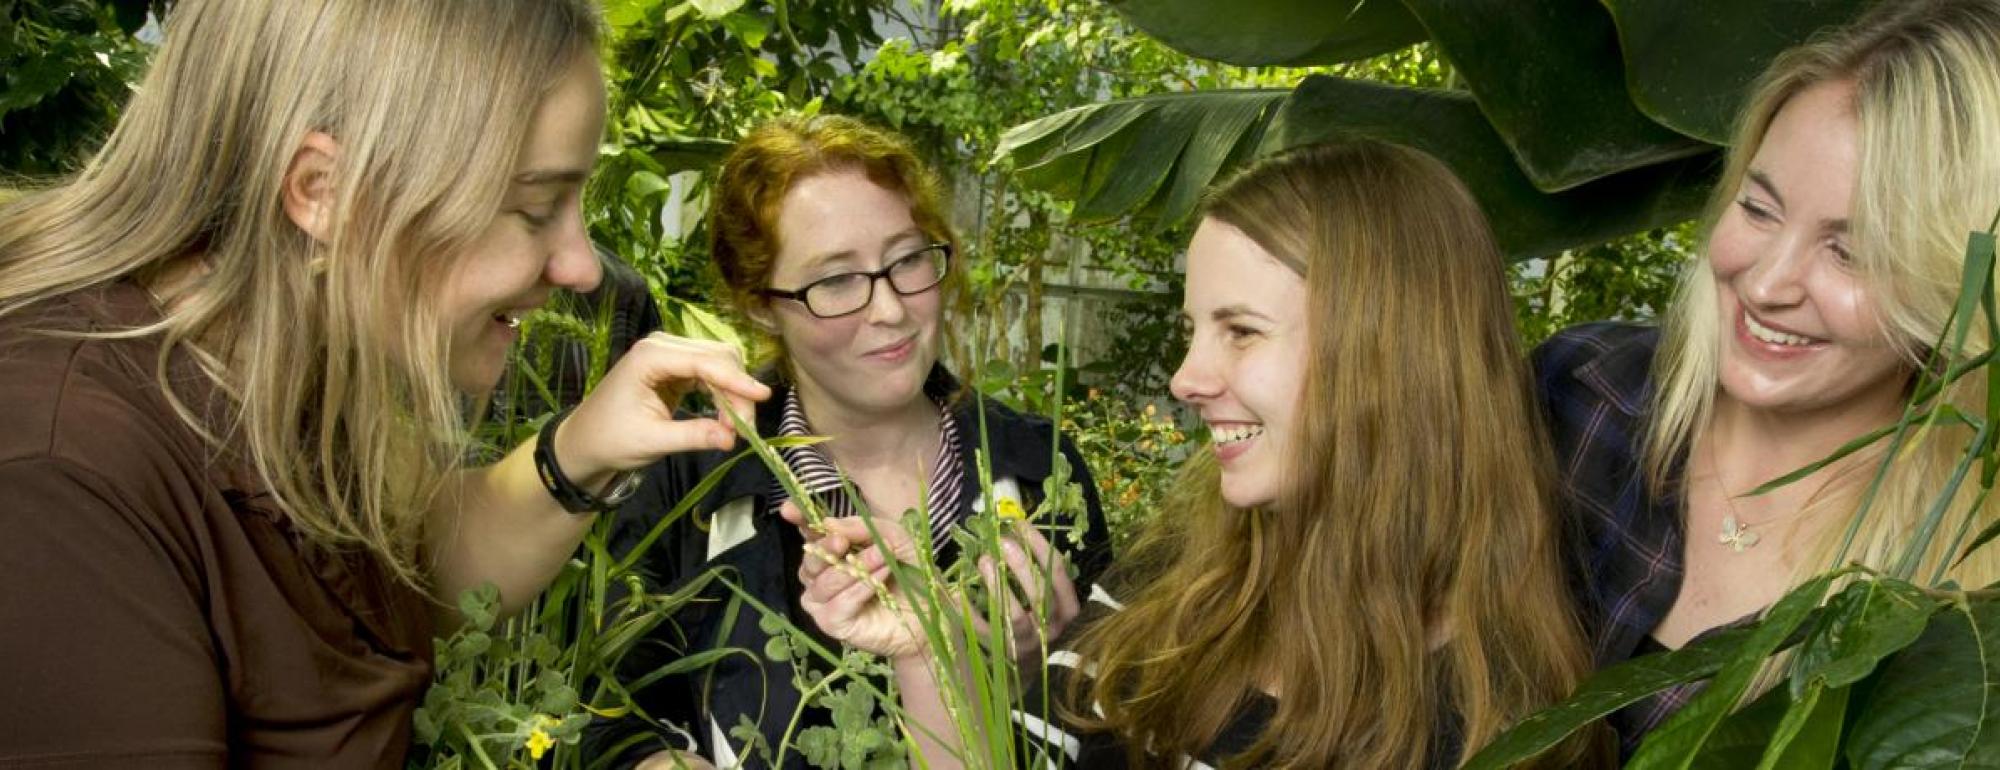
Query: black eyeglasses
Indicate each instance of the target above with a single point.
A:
(838, 295)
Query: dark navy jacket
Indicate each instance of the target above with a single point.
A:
(765, 563)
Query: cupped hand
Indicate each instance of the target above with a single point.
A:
(846, 573)
(1039, 576)
(628, 421)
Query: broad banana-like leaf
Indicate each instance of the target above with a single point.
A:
(1447, 124)
(1936, 703)
(1689, 63)
(1548, 76)
(1291, 33)
(1152, 155)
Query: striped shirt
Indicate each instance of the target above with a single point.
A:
(819, 477)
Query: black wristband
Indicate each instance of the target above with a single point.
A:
(571, 497)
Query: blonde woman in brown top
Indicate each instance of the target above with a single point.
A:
(236, 352)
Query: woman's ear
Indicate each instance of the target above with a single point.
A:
(308, 186)
(758, 310)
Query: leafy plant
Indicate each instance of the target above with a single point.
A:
(1572, 121)
(66, 68)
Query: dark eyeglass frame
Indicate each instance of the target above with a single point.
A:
(798, 295)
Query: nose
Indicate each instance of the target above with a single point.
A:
(885, 306)
(1196, 380)
(1778, 277)
(573, 262)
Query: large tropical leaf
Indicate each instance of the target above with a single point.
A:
(1447, 124)
(1937, 703)
(1152, 155)
(1280, 32)
(1547, 75)
(1689, 63)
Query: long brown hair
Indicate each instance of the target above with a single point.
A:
(1411, 579)
(429, 101)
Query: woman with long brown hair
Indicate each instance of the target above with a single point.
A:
(1363, 568)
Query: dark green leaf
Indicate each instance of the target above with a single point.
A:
(1548, 77)
(1740, 740)
(1937, 703)
(1117, 187)
(1155, 153)
(1282, 32)
(1446, 124)
(1867, 621)
(1676, 742)
(1607, 691)
(691, 154)
(1689, 64)
(1805, 736)
(1228, 128)
(1809, 736)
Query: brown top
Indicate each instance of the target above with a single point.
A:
(157, 610)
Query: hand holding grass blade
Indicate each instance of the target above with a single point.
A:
(1047, 597)
(847, 576)
(628, 421)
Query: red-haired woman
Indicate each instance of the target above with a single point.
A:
(832, 239)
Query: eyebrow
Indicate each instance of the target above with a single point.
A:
(913, 232)
(551, 176)
(1763, 180)
(1228, 313)
(1836, 226)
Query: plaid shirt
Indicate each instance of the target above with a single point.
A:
(1595, 382)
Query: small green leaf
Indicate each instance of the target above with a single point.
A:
(1869, 620)
(715, 9)
(778, 648)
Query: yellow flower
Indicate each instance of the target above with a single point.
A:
(1150, 410)
(539, 741)
(1009, 508)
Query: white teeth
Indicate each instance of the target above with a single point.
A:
(1773, 336)
(511, 320)
(1235, 434)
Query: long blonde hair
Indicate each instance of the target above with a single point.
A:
(1927, 106)
(330, 353)
(1413, 577)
